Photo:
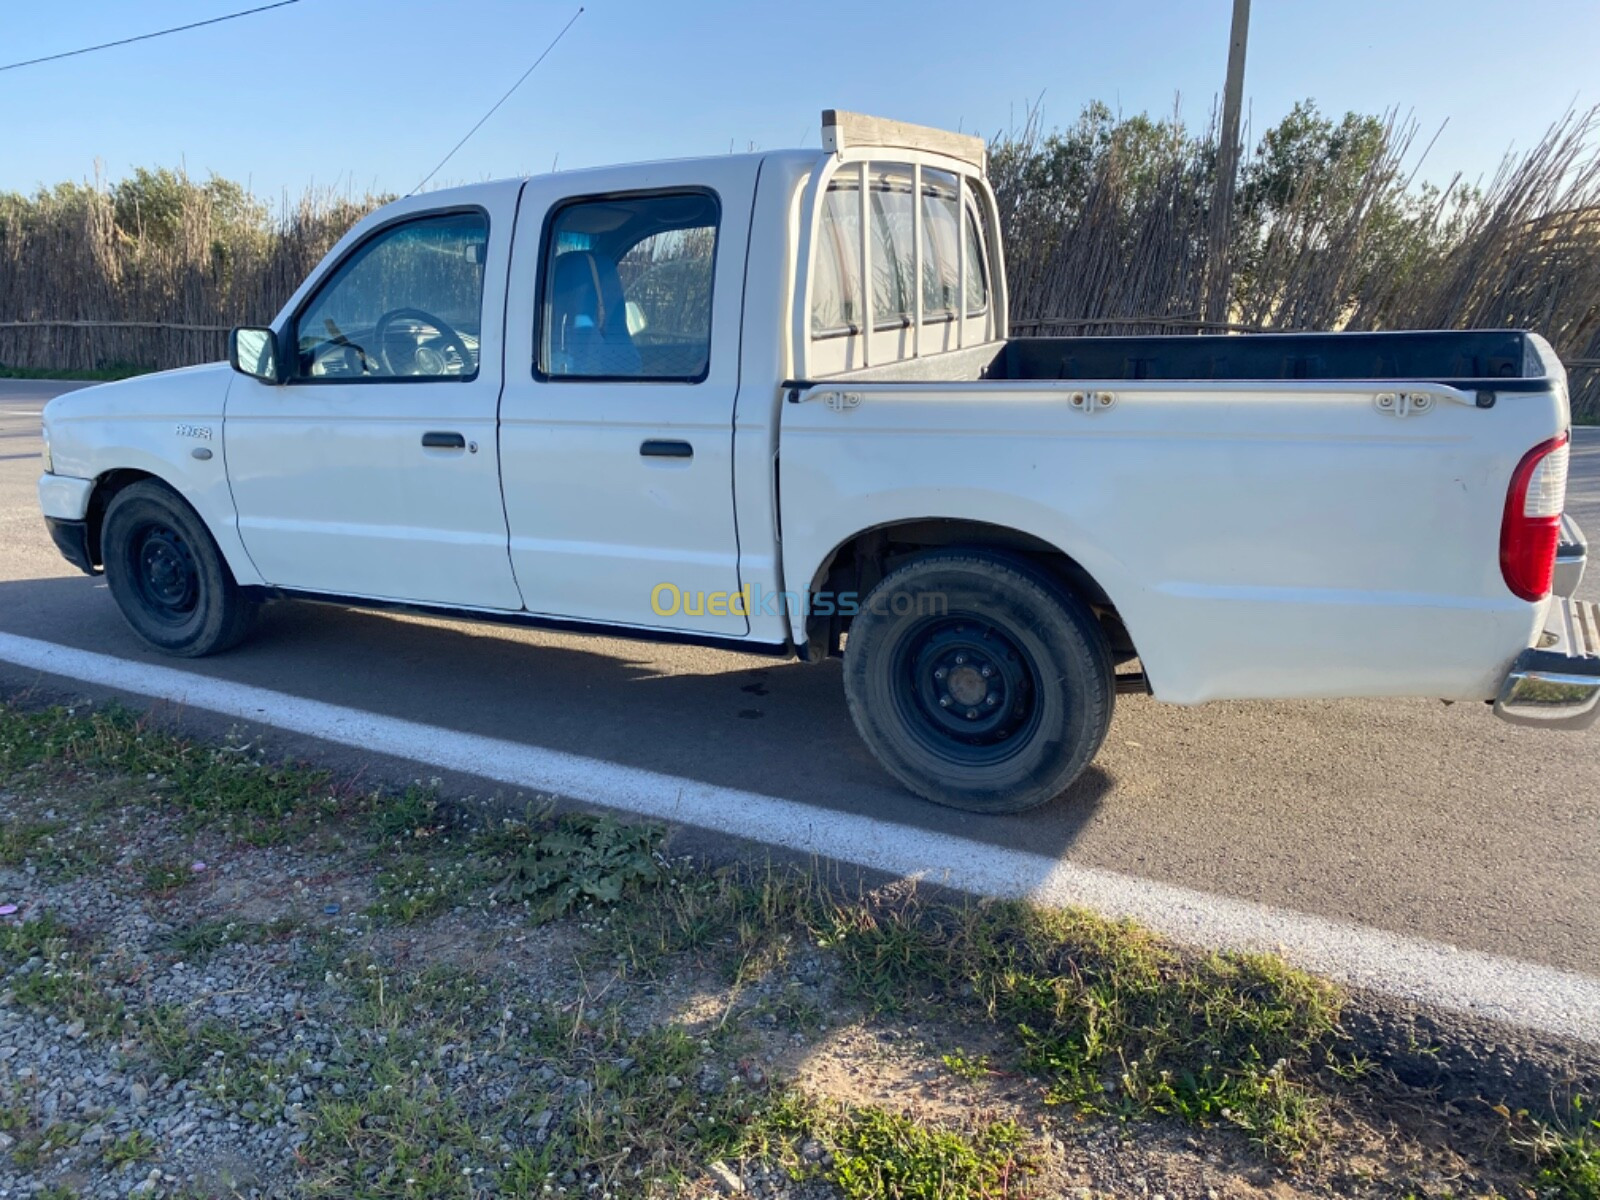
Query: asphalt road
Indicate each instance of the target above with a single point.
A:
(1410, 816)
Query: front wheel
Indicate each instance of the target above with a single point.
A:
(167, 575)
(978, 682)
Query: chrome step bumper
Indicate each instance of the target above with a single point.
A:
(1571, 554)
(1555, 683)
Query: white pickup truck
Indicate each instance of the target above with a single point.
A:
(768, 402)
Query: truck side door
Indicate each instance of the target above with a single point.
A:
(371, 472)
(616, 423)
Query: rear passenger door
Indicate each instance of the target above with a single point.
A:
(616, 422)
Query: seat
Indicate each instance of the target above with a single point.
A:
(588, 319)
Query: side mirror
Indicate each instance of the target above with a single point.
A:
(254, 351)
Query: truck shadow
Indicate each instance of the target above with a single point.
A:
(758, 724)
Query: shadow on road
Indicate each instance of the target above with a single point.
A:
(738, 721)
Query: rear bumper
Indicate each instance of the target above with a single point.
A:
(1555, 683)
(1572, 553)
(72, 539)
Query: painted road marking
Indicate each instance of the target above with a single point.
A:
(1467, 981)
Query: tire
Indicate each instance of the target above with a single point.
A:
(1026, 691)
(167, 575)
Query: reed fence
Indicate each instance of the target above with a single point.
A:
(1107, 234)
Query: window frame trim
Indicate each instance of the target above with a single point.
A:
(546, 238)
(291, 327)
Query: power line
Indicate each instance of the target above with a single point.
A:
(496, 105)
(144, 37)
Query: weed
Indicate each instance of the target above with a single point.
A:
(204, 937)
(50, 976)
(33, 938)
(165, 877)
(19, 841)
(963, 1066)
(179, 1049)
(33, 1153)
(1564, 1154)
(1113, 1019)
(876, 1153)
(417, 888)
(262, 801)
(413, 814)
(580, 859)
(133, 1146)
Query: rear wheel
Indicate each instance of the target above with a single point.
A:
(168, 576)
(978, 682)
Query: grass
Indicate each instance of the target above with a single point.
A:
(261, 802)
(132, 1147)
(1086, 1019)
(1112, 1020)
(99, 375)
(206, 936)
(1115, 1021)
(1564, 1153)
(588, 1097)
(868, 1153)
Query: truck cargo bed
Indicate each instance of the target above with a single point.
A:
(1501, 360)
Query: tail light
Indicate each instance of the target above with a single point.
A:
(1531, 527)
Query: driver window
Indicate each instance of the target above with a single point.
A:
(407, 303)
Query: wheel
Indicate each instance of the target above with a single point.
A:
(168, 576)
(978, 682)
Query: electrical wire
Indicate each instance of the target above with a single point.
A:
(144, 37)
(496, 104)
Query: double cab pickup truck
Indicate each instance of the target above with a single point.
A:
(770, 402)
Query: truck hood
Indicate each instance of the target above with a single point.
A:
(186, 392)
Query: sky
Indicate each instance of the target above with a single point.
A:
(365, 95)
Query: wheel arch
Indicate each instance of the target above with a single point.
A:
(110, 483)
(106, 487)
(861, 560)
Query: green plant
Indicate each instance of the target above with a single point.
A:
(1116, 1021)
(581, 859)
(165, 877)
(963, 1066)
(1564, 1153)
(133, 1146)
(417, 888)
(876, 1153)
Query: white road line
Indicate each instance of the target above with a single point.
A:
(1484, 985)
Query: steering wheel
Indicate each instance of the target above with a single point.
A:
(447, 334)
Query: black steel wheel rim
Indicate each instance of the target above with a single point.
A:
(164, 574)
(967, 689)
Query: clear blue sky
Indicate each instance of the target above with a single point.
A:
(371, 93)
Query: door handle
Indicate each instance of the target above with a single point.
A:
(436, 440)
(658, 448)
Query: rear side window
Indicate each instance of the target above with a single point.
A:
(836, 289)
(626, 288)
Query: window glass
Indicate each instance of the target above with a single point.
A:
(941, 269)
(627, 289)
(836, 290)
(977, 280)
(408, 302)
(893, 261)
(941, 266)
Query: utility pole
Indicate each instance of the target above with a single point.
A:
(1220, 274)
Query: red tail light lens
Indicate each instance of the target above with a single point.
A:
(1531, 528)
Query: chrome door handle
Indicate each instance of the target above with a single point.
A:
(436, 440)
(659, 448)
